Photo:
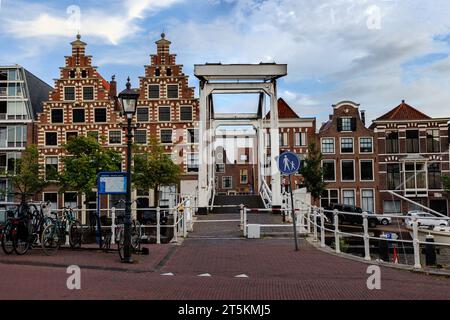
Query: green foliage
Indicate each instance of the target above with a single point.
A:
(154, 168)
(446, 182)
(313, 173)
(86, 158)
(27, 180)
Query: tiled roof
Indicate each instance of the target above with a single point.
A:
(404, 112)
(284, 111)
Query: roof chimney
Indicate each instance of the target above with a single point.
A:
(363, 116)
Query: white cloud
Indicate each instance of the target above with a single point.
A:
(104, 24)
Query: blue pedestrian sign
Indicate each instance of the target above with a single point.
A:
(288, 163)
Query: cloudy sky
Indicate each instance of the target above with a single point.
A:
(373, 52)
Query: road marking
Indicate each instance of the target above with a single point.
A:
(168, 274)
(204, 275)
(241, 276)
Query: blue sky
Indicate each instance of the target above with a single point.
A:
(373, 52)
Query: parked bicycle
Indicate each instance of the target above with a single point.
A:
(119, 232)
(54, 234)
(24, 225)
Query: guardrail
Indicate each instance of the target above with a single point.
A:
(316, 213)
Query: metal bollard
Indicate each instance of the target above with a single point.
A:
(184, 225)
(315, 223)
(430, 251)
(383, 247)
(158, 225)
(175, 229)
(416, 244)
(308, 217)
(366, 237)
(245, 222)
(337, 242)
(322, 228)
(113, 225)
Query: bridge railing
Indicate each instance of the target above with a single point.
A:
(317, 217)
(266, 194)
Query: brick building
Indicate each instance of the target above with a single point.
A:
(168, 110)
(236, 162)
(21, 96)
(413, 153)
(82, 103)
(295, 133)
(349, 158)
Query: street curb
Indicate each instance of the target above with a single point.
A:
(445, 274)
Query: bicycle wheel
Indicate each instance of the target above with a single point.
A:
(120, 244)
(20, 239)
(50, 240)
(75, 234)
(136, 236)
(7, 241)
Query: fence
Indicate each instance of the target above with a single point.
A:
(316, 220)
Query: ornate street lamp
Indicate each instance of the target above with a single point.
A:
(128, 99)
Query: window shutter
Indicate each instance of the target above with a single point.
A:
(353, 124)
(339, 124)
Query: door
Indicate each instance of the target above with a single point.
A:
(439, 206)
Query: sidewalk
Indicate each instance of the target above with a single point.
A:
(92, 258)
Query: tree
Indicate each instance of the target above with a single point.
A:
(446, 183)
(27, 180)
(153, 169)
(313, 173)
(86, 158)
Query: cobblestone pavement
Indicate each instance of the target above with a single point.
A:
(206, 268)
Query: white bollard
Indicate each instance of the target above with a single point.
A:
(241, 211)
(337, 243)
(308, 217)
(175, 225)
(158, 225)
(113, 225)
(245, 222)
(315, 223)
(184, 224)
(322, 228)
(416, 244)
(366, 237)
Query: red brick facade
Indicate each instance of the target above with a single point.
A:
(349, 159)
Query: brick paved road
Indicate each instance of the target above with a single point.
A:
(274, 271)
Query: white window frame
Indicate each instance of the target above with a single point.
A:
(170, 112)
(334, 145)
(342, 123)
(240, 176)
(51, 118)
(354, 196)
(159, 91)
(360, 170)
(93, 92)
(74, 93)
(335, 171)
(167, 91)
(192, 113)
(106, 113)
(354, 170)
(146, 136)
(57, 198)
(353, 145)
(57, 139)
(73, 109)
(45, 165)
(231, 182)
(109, 137)
(148, 114)
(359, 145)
(374, 198)
(332, 189)
(160, 136)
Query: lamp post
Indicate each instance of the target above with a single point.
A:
(128, 99)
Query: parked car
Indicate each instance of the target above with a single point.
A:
(355, 218)
(425, 219)
(382, 219)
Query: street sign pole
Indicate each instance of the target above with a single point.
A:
(289, 164)
(294, 219)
